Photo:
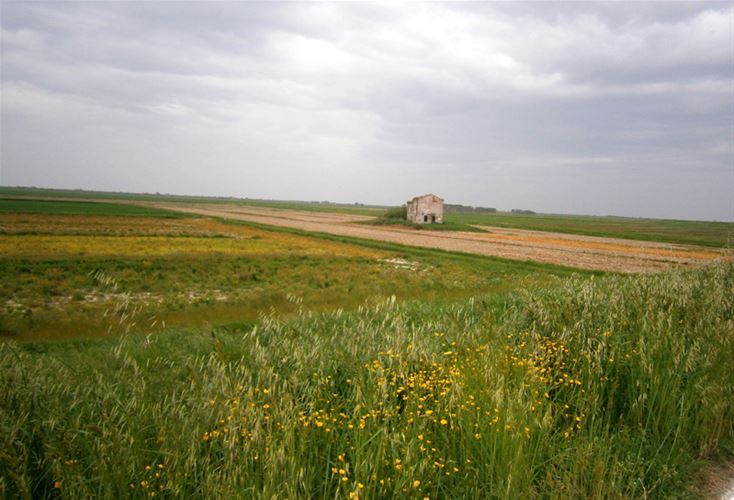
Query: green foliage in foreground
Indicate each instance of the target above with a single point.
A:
(81, 208)
(609, 388)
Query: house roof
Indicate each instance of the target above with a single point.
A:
(426, 196)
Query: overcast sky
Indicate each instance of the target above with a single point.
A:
(587, 108)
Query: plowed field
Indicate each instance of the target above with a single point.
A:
(586, 252)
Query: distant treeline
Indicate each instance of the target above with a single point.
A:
(467, 209)
(449, 208)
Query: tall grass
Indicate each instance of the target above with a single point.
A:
(616, 387)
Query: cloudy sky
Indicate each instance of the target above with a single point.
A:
(589, 108)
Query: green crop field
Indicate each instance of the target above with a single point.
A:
(194, 357)
(69, 207)
(72, 195)
(717, 234)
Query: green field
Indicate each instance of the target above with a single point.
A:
(716, 234)
(446, 226)
(69, 276)
(63, 207)
(195, 357)
(40, 193)
(612, 388)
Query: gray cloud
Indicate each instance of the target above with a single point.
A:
(597, 108)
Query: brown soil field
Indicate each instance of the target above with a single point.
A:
(585, 252)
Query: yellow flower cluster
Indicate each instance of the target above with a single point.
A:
(154, 480)
(239, 421)
(422, 398)
(436, 409)
(545, 360)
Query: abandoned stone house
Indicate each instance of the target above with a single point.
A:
(426, 209)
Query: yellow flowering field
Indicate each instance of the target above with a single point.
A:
(68, 276)
(208, 237)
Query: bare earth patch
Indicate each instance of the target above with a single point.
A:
(585, 252)
(717, 482)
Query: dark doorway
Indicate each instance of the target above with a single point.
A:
(425, 218)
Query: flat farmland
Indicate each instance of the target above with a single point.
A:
(69, 274)
(574, 250)
(259, 352)
(705, 233)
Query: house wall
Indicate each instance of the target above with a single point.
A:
(425, 207)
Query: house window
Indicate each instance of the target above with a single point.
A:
(425, 218)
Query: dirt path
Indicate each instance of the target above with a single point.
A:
(586, 252)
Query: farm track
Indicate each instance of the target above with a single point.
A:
(585, 252)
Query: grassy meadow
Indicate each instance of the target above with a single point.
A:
(145, 355)
(617, 387)
(71, 276)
